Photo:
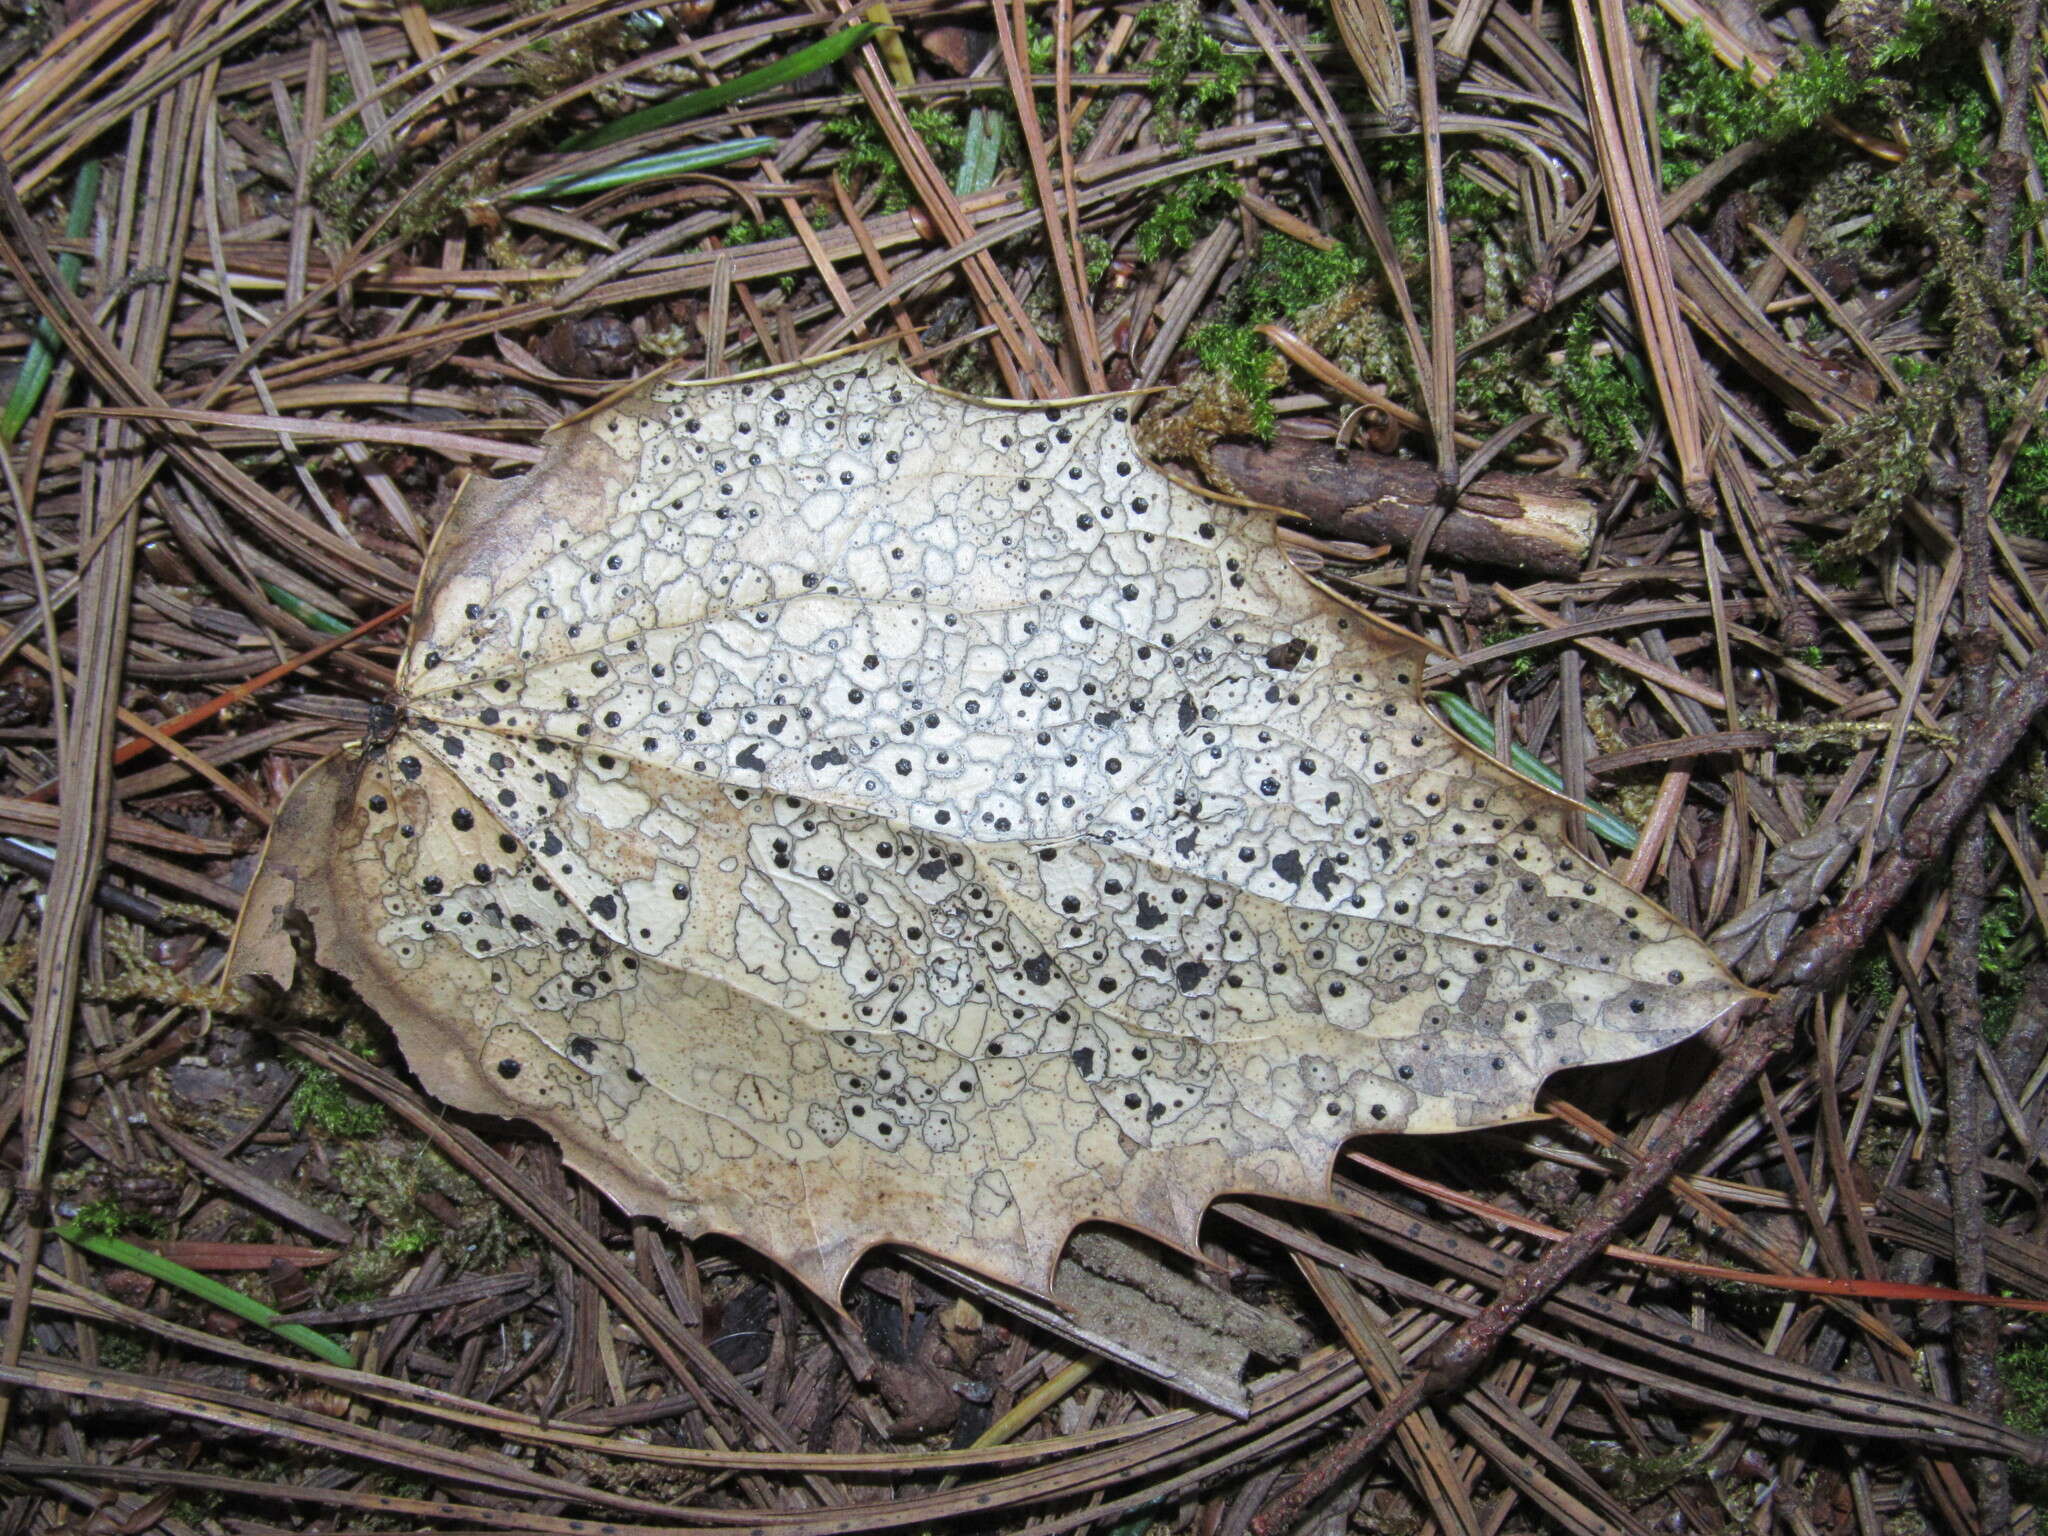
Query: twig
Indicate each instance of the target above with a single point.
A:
(1975, 1329)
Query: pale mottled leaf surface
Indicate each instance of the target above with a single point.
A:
(841, 812)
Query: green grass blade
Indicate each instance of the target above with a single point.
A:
(304, 611)
(680, 109)
(677, 162)
(208, 1290)
(1478, 730)
(979, 155)
(40, 361)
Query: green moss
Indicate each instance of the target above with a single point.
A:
(1866, 469)
(1193, 82)
(1705, 109)
(417, 1238)
(1239, 356)
(754, 231)
(944, 133)
(2004, 944)
(1604, 394)
(122, 1349)
(198, 1509)
(1502, 383)
(1098, 253)
(1829, 567)
(775, 227)
(1877, 980)
(1399, 175)
(102, 1218)
(1634, 1478)
(1288, 277)
(1185, 208)
(398, 1184)
(2022, 505)
(340, 194)
(1286, 280)
(865, 154)
(1702, 105)
(1520, 666)
(1192, 78)
(2005, 922)
(2023, 1368)
(325, 1101)
(866, 150)
(1041, 48)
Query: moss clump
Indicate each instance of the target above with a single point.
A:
(1865, 469)
(122, 1349)
(1290, 277)
(1829, 567)
(1193, 79)
(753, 231)
(1876, 979)
(418, 1200)
(741, 231)
(1502, 383)
(2030, 788)
(1520, 666)
(1605, 396)
(1638, 1478)
(1193, 82)
(1247, 365)
(865, 153)
(1098, 253)
(1287, 280)
(324, 1101)
(2004, 924)
(339, 194)
(107, 1217)
(1705, 109)
(945, 131)
(2004, 943)
(1183, 209)
(1872, 464)
(2022, 505)
(1398, 171)
(2023, 1367)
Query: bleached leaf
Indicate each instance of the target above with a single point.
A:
(843, 813)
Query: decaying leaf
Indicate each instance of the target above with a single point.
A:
(844, 813)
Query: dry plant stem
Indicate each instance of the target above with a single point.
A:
(84, 751)
(1059, 211)
(1263, 23)
(1443, 343)
(1026, 356)
(198, 714)
(1976, 1329)
(1613, 93)
(1816, 961)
